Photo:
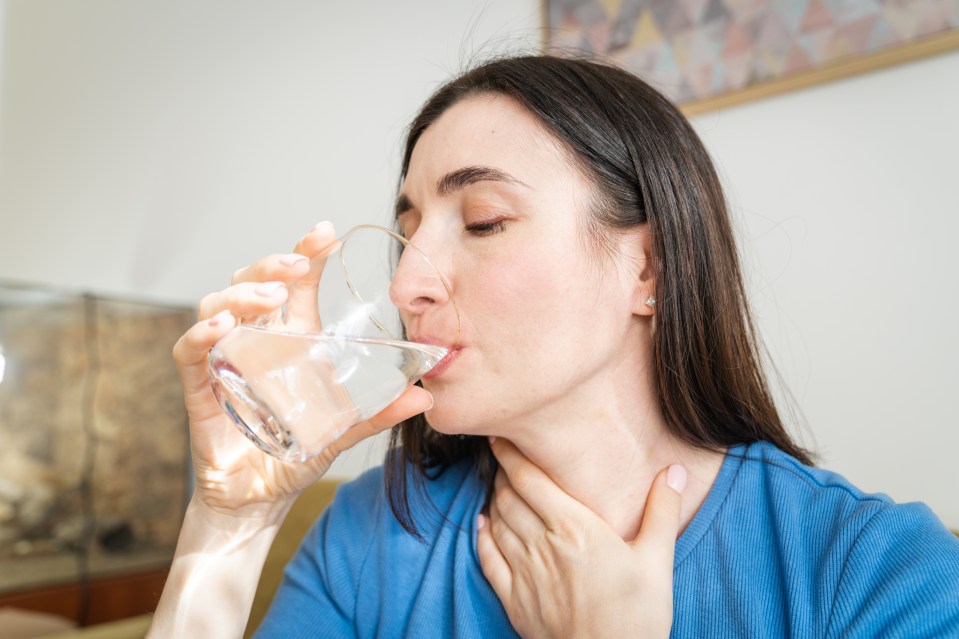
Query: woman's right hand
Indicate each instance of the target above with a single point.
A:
(233, 477)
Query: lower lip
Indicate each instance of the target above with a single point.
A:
(443, 364)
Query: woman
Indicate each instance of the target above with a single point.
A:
(605, 399)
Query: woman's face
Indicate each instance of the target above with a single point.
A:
(499, 207)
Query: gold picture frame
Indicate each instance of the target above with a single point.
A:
(596, 27)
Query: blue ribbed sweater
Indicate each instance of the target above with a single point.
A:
(777, 549)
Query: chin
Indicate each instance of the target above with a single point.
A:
(452, 422)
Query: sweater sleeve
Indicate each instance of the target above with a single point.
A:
(317, 597)
(900, 579)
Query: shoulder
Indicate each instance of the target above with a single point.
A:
(885, 567)
(360, 516)
(357, 501)
(900, 577)
(337, 579)
(821, 497)
(789, 515)
(763, 458)
(822, 500)
(361, 524)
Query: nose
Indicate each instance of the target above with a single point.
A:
(417, 285)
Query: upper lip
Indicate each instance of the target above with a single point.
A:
(434, 341)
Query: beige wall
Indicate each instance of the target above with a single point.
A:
(152, 147)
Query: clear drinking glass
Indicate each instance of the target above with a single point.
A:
(294, 385)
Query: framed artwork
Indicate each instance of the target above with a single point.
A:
(706, 54)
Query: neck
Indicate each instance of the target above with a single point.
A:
(606, 456)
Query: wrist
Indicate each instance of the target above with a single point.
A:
(250, 518)
(216, 569)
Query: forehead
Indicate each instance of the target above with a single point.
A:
(489, 130)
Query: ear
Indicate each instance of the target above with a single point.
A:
(644, 292)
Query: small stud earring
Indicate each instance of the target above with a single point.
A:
(651, 302)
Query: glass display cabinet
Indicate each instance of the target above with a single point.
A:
(94, 472)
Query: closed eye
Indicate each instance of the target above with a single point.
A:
(486, 228)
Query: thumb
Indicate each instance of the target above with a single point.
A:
(660, 527)
(412, 402)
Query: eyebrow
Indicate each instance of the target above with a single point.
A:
(458, 180)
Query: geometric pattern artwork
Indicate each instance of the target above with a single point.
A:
(696, 49)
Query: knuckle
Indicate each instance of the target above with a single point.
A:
(205, 307)
(667, 508)
(497, 528)
(238, 274)
(177, 350)
(564, 532)
(484, 550)
(571, 540)
(522, 480)
(502, 498)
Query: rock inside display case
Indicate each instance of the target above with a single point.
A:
(94, 466)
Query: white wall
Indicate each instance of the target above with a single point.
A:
(151, 147)
(846, 198)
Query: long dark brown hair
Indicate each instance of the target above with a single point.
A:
(647, 166)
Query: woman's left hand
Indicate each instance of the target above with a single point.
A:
(561, 571)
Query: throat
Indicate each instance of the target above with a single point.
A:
(611, 474)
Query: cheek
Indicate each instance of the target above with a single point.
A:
(523, 308)
(519, 288)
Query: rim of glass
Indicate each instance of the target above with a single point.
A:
(406, 243)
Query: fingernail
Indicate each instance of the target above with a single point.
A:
(676, 478)
(480, 522)
(217, 319)
(268, 289)
(323, 227)
(431, 401)
(293, 259)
